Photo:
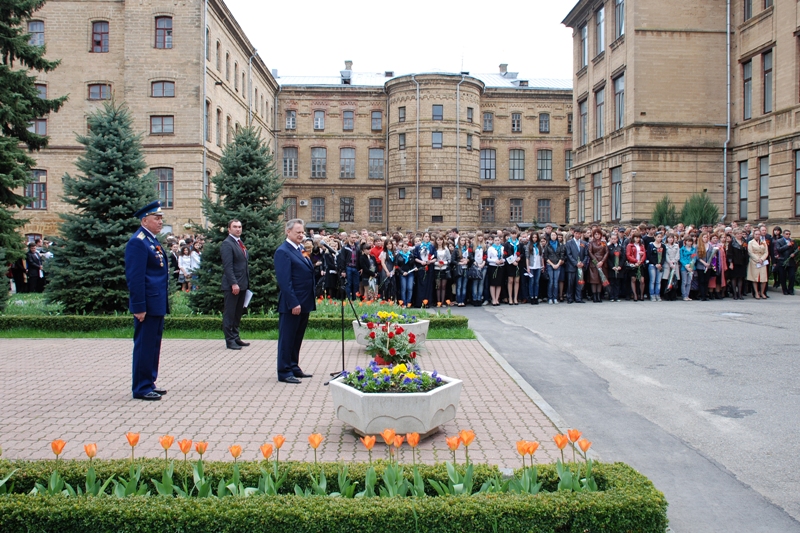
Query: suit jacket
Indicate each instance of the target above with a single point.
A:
(147, 274)
(234, 265)
(295, 276)
(34, 262)
(576, 253)
(344, 257)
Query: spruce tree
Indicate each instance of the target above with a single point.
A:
(88, 274)
(664, 213)
(20, 103)
(248, 187)
(699, 210)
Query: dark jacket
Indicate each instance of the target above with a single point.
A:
(344, 257)
(367, 266)
(576, 253)
(234, 265)
(554, 256)
(785, 248)
(652, 254)
(616, 260)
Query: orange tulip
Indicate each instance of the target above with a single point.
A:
(278, 440)
(58, 446)
(573, 435)
(91, 450)
(185, 445)
(166, 441)
(424, 302)
(315, 439)
(200, 447)
(388, 436)
(236, 451)
(522, 447)
(368, 441)
(266, 450)
(453, 443)
(133, 438)
(447, 302)
(413, 439)
(561, 441)
(584, 445)
(466, 436)
(398, 441)
(532, 447)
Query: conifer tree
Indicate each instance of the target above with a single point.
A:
(88, 274)
(20, 103)
(699, 210)
(248, 187)
(664, 213)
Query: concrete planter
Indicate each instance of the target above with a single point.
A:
(413, 412)
(419, 329)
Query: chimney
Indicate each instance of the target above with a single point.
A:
(275, 73)
(348, 65)
(503, 68)
(388, 74)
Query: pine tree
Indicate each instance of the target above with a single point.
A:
(248, 186)
(665, 213)
(20, 103)
(699, 210)
(88, 274)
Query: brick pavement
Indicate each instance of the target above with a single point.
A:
(79, 390)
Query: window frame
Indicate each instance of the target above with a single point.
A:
(163, 40)
(35, 35)
(347, 209)
(37, 190)
(541, 215)
(291, 119)
(763, 185)
(616, 194)
(401, 141)
(347, 165)
(488, 164)
(437, 140)
(544, 122)
(516, 213)
(583, 125)
(401, 193)
(39, 87)
(619, 102)
(436, 193)
(154, 119)
(319, 120)
(488, 210)
(583, 32)
(219, 127)
(581, 189)
(619, 18)
(376, 164)
(100, 87)
(376, 126)
(375, 210)
(290, 208)
(103, 45)
(488, 122)
(544, 165)
(38, 126)
(165, 85)
(516, 122)
(348, 120)
(437, 116)
(165, 187)
(469, 142)
(747, 8)
(599, 113)
(516, 164)
(290, 162)
(597, 196)
(744, 193)
(401, 114)
(470, 114)
(797, 183)
(568, 162)
(747, 90)
(319, 162)
(600, 34)
(767, 62)
(318, 209)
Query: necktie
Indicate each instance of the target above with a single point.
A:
(241, 245)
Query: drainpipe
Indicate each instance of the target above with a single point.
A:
(206, 116)
(728, 109)
(458, 152)
(417, 170)
(250, 88)
(386, 163)
(275, 120)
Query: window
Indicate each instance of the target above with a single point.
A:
(166, 186)
(227, 66)
(569, 122)
(436, 139)
(488, 122)
(377, 121)
(744, 174)
(228, 131)
(516, 210)
(747, 90)
(438, 112)
(162, 89)
(516, 122)
(583, 108)
(208, 46)
(619, 15)
(544, 164)
(469, 193)
(36, 29)
(516, 164)
(207, 121)
(401, 141)
(767, 3)
(597, 195)
(219, 127)
(41, 89)
(748, 9)
(616, 194)
(544, 123)
(38, 126)
(99, 91)
(244, 84)
(291, 120)
(99, 37)
(566, 211)
(318, 209)
(600, 36)
(469, 141)
(347, 163)
(797, 183)
(581, 200)
(160, 125)
(291, 208)
(219, 57)
(319, 162)
(763, 187)
(375, 210)
(584, 46)
(767, 62)
(599, 115)
(488, 164)
(236, 76)
(567, 163)
(319, 120)
(470, 113)
(436, 193)
(375, 164)
(163, 32)
(487, 210)
(619, 102)
(437, 218)
(401, 114)
(290, 162)
(347, 209)
(401, 193)
(37, 190)
(348, 120)
(543, 210)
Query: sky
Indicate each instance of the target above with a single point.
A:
(312, 37)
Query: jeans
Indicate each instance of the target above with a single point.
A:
(533, 284)
(353, 278)
(406, 288)
(477, 287)
(461, 288)
(552, 287)
(654, 280)
(686, 283)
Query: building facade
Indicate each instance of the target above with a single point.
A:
(651, 97)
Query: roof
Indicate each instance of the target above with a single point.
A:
(378, 79)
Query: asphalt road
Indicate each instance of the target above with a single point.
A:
(702, 397)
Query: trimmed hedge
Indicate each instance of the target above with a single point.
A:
(205, 323)
(628, 503)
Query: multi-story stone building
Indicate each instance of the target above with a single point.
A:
(652, 99)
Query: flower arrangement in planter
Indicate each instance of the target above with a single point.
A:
(391, 344)
(384, 316)
(410, 323)
(399, 378)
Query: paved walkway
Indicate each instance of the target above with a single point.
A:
(79, 390)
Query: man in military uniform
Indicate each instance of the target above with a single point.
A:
(147, 272)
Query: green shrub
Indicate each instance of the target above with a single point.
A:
(664, 213)
(698, 210)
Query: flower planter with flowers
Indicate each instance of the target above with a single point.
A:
(410, 323)
(401, 397)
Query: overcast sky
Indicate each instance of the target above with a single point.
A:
(312, 37)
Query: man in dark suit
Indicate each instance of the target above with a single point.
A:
(577, 256)
(295, 275)
(34, 263)
(235, 282)
(147, 273)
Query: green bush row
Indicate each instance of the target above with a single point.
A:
(97, 323)
(628, 502)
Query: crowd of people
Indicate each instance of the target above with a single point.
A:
(184, 259)
(555, 265)
(29, 273)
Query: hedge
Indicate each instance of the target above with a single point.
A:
(205, 323)
(628, 503)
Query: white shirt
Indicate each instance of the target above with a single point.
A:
(296, 246)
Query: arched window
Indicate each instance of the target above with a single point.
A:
(227, 66)
(219, 127)
(163, 32)
(219, 57)
(235, 76)
(100, 37)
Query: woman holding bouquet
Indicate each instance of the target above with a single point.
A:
(598, 258)
(406, 262)
(479, 249)
(513, 252)
(635, 256)
(703, 265)
(424, 259)
(655, 267)
(671, 274)
(442, 269)
(616, 268)
(387, 260)
(554, 255)
(533, 252)
(496, 262)
(758, 250)
(717, 280)
(688, 259)
(738, 260)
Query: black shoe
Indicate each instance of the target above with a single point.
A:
(290, 379)
(162, 392)
(303, 375)
(151, 396)
(569, 301)
(579, 302)
(240, 342)
(232, 346)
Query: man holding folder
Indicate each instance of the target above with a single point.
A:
(235, 282)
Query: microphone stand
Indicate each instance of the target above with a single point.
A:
(342, 283)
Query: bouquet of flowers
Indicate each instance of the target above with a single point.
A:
(603, 278)
(580, 277)
(394, 378)
(391, 343)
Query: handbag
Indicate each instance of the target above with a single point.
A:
(473, 272)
